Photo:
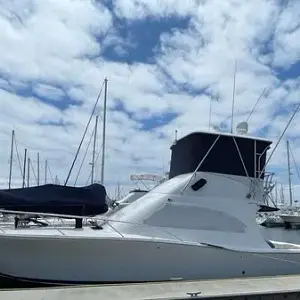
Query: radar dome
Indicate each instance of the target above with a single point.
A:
(242, 128)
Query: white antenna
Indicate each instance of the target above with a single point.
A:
(233, 96)
(175, 137)
(242, 128)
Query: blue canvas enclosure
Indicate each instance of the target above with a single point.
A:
(56, 199)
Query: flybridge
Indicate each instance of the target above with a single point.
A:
(218, 152)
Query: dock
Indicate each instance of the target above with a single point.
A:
(281, 287)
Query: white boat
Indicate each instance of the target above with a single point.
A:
(199, 224)
(272, 221)
(291, 219)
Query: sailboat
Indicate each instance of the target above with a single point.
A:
(198, 224)
(291, 216)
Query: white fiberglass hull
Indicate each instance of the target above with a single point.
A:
(92, 260)
(292, 219)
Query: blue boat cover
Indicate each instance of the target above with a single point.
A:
(56, 199)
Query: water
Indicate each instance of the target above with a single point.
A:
(281, 234)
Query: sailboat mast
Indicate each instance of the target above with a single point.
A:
(104, 131)
(38, 169)
(289, 172)
(209, 118)
(24, 168)
(281, 194)
(233, 96)
(94, 150)
(28, 171)
(118, 195)
(276, 194)
(11, 158)
(46, 170)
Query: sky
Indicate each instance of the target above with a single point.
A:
(166, 62)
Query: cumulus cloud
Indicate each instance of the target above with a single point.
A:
(53, 62)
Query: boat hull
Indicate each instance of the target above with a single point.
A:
(69, 260)
(292, 219)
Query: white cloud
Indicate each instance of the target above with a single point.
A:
(139, 9)
(46, 90)
(53, 48)
(41, 39)
(287, 33)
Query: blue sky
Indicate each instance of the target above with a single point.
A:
(165, 61)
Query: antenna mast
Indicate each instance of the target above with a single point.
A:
(233, 96)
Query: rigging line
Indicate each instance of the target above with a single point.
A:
(18, 156)
(87, 148)
(296, 167)
(260, 96)
(33, 170)
(98, 154)
(281, 136)
(107, 156)
(97, 157)
(48, 167)
(86, 128)
(89, 178)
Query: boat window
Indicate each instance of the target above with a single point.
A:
(195, 218)
(199, 184)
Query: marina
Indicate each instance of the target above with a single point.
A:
(56, 238)
(190, 215)
(149, 150)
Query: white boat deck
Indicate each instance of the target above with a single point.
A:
(283, 287)
(66, 229)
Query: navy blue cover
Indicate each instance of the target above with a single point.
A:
(56, 199)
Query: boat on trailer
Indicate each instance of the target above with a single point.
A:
(199, 224)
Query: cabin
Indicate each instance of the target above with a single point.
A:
(219, 152)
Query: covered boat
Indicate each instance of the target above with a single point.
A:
(56, 199)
